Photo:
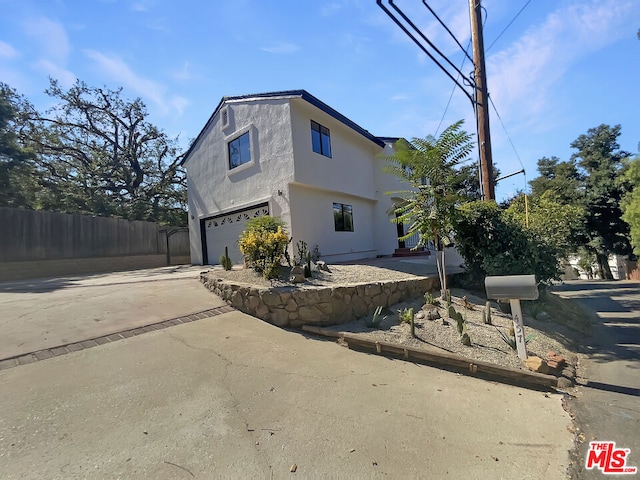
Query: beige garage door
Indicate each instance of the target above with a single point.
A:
(224, 230)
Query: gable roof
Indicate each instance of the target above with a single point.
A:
(304, 95)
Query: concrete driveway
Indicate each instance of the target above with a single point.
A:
(233, 397)
(45, 313)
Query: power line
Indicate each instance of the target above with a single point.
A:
(464, 59)
(466, 51)
(508, 25)
(524, 171)
(505, 131)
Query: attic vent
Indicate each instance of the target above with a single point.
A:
(224, 117)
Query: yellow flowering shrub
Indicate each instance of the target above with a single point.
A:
(263, 244)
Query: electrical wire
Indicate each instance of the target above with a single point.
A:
(464, 59)
(508, 25)
(505, 131)
(524, 171)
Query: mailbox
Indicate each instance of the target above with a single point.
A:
(512, 287)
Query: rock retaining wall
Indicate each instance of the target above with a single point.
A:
(308, 305)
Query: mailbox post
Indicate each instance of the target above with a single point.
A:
(514, 288)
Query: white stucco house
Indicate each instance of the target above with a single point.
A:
(290, 155)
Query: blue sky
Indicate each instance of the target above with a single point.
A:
(562, 67)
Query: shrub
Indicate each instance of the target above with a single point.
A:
(493, 244)
(263, 245)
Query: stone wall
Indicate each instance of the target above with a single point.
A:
(297, 306)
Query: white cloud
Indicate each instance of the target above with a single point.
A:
(7, 51)
(330, 8)
(55, 71)
(184, 73)
(51, 37)
(120, 72)
(398, 97)
(139, 7)
(524, 74)
(179, 104)
(283, 48)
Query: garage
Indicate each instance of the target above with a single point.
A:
(224, 230)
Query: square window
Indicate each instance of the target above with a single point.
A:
(320, 139)
(239, 151)
(343, 217)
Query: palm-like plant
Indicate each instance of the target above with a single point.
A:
(431, 166)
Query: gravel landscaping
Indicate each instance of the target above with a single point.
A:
(548, 334)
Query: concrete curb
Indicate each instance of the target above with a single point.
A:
(31, 357)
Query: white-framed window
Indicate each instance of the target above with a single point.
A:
(320, 139)
(240, 152)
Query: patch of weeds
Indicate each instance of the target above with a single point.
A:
(375, 320)
(511, 341)
(405, 315)
(431, 299)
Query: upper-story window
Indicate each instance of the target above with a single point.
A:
(239, 151)
(320, 139)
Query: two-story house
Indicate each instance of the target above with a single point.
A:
(290, 155)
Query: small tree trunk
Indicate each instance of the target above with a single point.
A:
(603, 266)
(440, 263)
(443, 279)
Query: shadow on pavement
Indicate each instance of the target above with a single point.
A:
(50, 284)
(616, 305)
(607, 387)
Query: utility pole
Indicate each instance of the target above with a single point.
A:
(481, 102)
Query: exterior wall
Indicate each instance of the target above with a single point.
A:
(312, 221)
(298, 184)
(353, 175)
(350, 168)
(385, 232)
(213, 189)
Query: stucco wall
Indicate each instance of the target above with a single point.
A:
(354, 176)
(301, 192)
(350, 168)
(385, 232)
(213, 188)
(312, 221)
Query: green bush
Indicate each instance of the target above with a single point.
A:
(494, 244)
(263, 244)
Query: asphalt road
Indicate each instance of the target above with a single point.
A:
(607, 404)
